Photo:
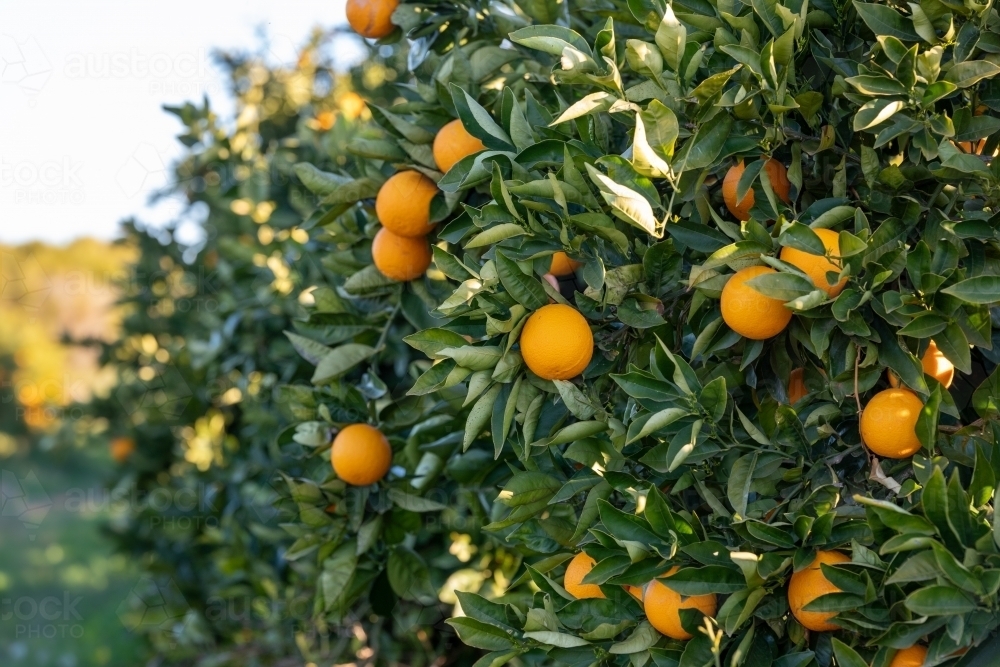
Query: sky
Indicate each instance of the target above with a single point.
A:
(83, 137)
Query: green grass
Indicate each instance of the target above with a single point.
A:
(60, 581)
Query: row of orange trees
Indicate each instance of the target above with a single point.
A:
(641, 333)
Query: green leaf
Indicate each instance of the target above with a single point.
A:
(886, 21)
(671, 37)
(318, 181)
(705, 580)
(478, 121)
(524, 288)
(704, 147)
(481, 635)
(802, 237)
(979, 290)
(740, 479)
(939, 601)
(628, 204)
(971, 72)
(783, 286)
(340, 360)
(847, 656)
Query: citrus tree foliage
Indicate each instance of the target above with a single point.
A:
(201, 359)
(608, 130)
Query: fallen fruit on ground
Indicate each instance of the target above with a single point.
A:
(750, 313)
(556, 342)
(361, 455)
(888, 423)
(808, 584)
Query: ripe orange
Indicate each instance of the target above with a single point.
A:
(556, 342)
(371, 18)
(122, 448)
(888, 423)
(399, 257)
(662, 606)
(361, 455)
(403, 203)
(909, 657)
(817, 266)
(575, 572)
(452, 143)
(974, 146)
(937, 365)
(562, 265)
(796, 386)
(808, 584)
(748, 312)
(634, 591)
(776, 173)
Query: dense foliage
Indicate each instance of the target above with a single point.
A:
(609, 131)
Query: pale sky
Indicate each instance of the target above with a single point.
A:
(83, 138)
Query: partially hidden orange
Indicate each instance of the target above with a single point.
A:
(776, 173)
(577, 569)
(562, 265)
(452, 143)
(663, 605)
(750, 313)
(808, 584)
(371, 18)
(817, 266)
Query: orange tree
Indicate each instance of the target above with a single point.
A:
(762, 201)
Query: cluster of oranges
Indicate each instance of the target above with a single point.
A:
(403, 206)
(663, 605)
(888, 423)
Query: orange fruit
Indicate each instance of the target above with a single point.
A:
(371, 18)
(974, 146)
(452, 143)
(817, 266)
(934, 364)
(122, 448)
(575, 572)
(403, 203)
(361, 455)
(796, 386)
(400, 257)
(888, 423)
(748, 312)
(662, 606)
(808, 584)
(909, 657)
(634, 591)
(562, 265)
(556, 342)
(776, 173)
